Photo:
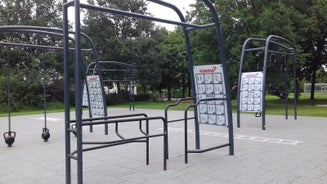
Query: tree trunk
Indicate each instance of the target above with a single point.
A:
(313, 82)
(169, 90)
(183, 87)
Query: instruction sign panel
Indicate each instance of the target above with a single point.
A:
(251, 92)
(209, 83)
(95, 95)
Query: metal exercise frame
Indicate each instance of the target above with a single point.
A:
(127, 73)
(186, 118)
(230, 143)
(276, 45)
(187, 27)
(93, 69)
(54, 32)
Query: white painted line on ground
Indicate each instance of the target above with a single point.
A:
(49, 119)
(242, 137)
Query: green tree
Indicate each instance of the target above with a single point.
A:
(127, 39)
(26, 62)
(174, 65)
(302, 22)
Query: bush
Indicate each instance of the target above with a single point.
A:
(156, 97)
(114, 99)
(56, 90)
(142, 97)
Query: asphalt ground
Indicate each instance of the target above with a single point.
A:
(287, 152)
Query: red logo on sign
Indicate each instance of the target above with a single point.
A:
(93, 78)
(252, 75)
(209, 70)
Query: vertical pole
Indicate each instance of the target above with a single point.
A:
(239, 84)
(78, 91)
(191, 73)
(147, 141)
(44, 90)
(185, 137)
(284, 68)
(165, 146)
(263, 96)
(9, 90)
(223, 59)
(66, 93)
(296, 90)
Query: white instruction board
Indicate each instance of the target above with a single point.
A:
(251, 92)
(209, 83)
(95, 95)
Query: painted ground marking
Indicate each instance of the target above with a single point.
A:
(242, 137)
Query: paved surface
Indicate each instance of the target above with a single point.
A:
(289, 151)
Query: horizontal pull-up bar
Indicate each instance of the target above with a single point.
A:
(141, 16)
(266, 41)
(114, 63)
(292, 51)
(47, 31)
(47, 47)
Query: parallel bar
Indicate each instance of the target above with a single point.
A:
(121, 120)
(123, 141)
(111, 117)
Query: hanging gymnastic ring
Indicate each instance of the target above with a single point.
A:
(45, 134)
(9, 137)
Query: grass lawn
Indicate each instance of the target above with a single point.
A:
(305, 106)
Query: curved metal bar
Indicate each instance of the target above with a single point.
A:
(136, 15)
(175, 104)
(272, 37)
(41, 28)
(50, 31)
(263, 41)
(267, 44)
(37, 46)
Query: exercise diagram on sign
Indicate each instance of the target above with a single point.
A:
(209, 84)
(95, 95)
(251, 92)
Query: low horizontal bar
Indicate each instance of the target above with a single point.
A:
(121, 120)
(208, 149)
(108, 145)
(111, 117)
(182, 119)
(122, 141)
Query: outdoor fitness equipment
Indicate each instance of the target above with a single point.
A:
(187, 27)
(45, 131)
(10, 135)
(116, 73)
(251, 91)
